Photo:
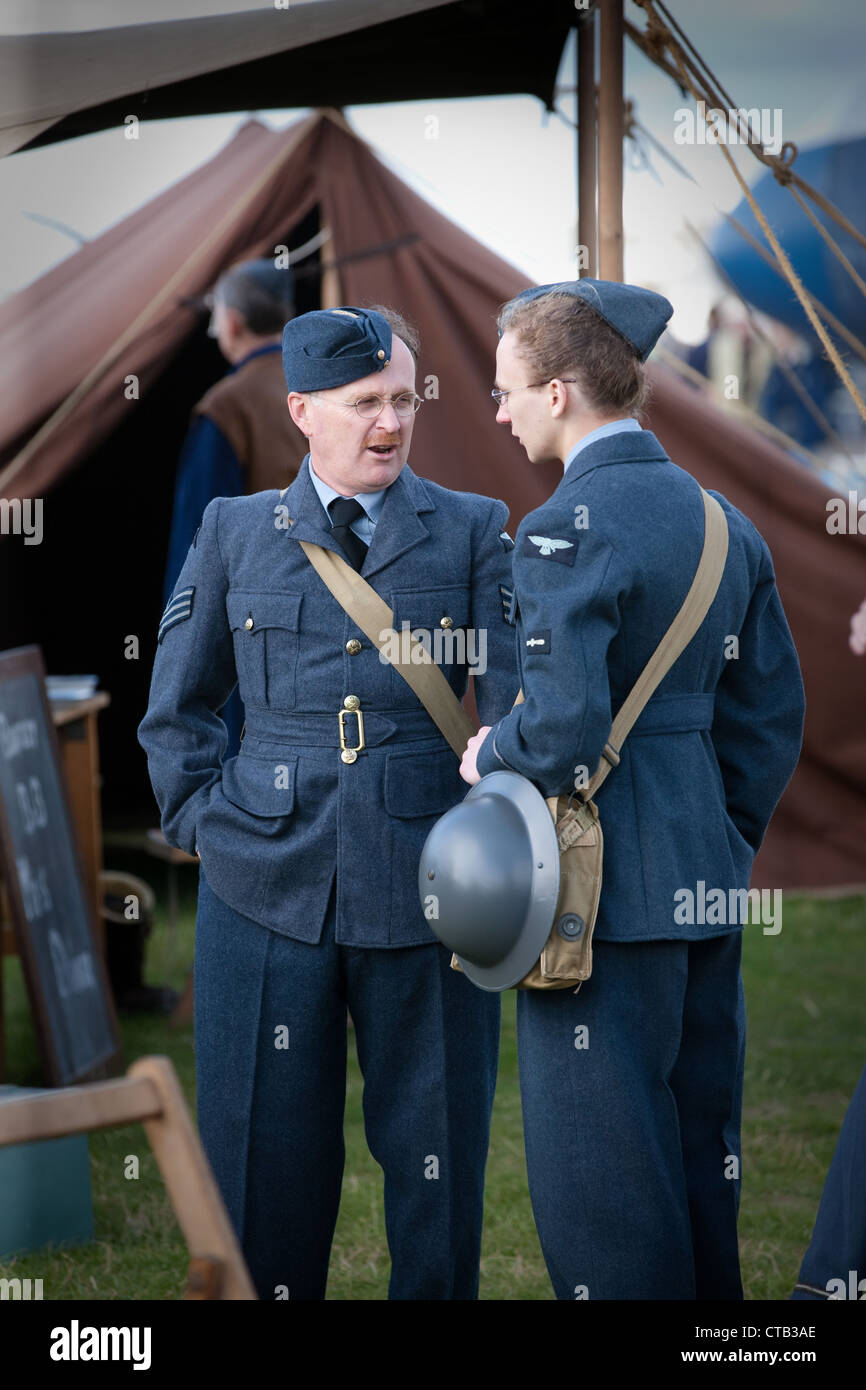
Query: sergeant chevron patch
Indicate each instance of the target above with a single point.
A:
(550, 548)
(178, 608)
(509, 604)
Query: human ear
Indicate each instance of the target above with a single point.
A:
(300, 411)
(558, 399)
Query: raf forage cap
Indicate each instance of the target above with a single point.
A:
(330, 347)
(638, 315)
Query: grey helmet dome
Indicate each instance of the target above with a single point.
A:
(492, 865)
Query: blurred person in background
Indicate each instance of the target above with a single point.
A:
(241, 438)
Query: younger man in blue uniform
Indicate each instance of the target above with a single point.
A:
(632, 1087)
(308, 888)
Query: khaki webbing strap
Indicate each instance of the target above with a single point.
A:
(372, 615)
(695, 607)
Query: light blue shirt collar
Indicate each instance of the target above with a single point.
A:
(372, 502)
(612, 427)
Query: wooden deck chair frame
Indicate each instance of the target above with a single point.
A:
(150, 1094)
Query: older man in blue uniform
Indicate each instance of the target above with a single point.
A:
(309, 854)
(632, 1087)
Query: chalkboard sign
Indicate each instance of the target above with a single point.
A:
(51, 912)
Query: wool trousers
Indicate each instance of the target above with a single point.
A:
(270, 1042)
(632, 1094)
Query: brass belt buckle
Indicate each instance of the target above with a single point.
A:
(351, 705)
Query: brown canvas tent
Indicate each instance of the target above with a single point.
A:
(818, 835)
(106, 469)
(122, 293)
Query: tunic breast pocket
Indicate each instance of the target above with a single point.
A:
(266, 630)
(439, 619)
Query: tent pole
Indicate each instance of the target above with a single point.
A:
(587, 232)
(331, 293)
(610, 138)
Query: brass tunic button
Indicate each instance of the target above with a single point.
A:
(349, 755)
(248, 623)
(446, 622)
(380, 354)
(351, 702)
(353, 646)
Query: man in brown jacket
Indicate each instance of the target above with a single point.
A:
(241, 437)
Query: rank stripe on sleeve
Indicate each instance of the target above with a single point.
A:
(507, 596)
(178, 608)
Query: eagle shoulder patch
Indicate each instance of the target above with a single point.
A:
(177, 610)
(550, 548)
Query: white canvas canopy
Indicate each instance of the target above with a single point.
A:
(59, 58)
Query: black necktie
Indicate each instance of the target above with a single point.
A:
(343, 511)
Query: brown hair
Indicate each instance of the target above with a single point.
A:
(560, 335)
(402, 327)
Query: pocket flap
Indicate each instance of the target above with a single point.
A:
(422, 784)
(263, 786)
(425, 608)
(265, 607)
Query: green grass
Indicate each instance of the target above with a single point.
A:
(806, 1049)
(805, 1052)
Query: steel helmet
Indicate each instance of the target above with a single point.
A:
(491, 868)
